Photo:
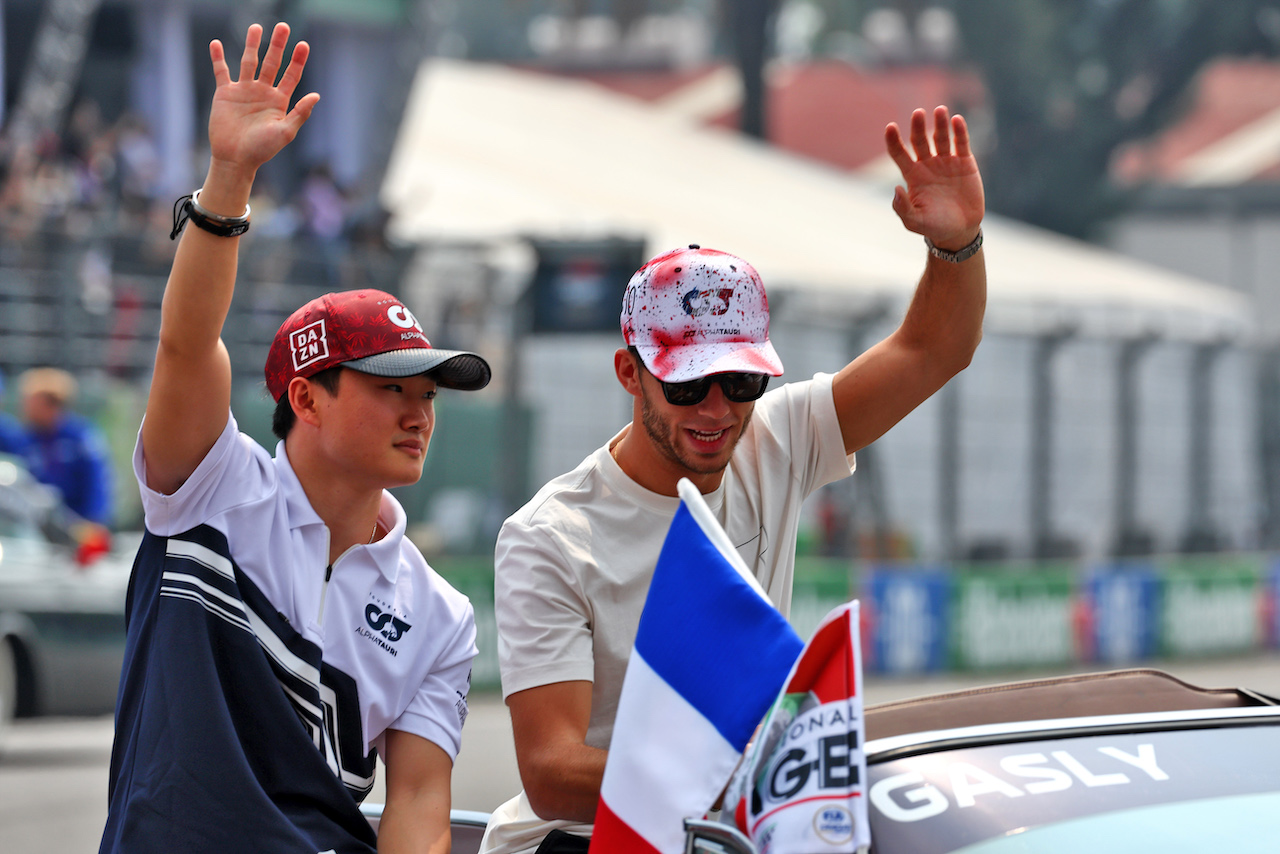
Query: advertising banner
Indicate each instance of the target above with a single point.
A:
(1015, 617)
(1211, 605)
(1120, 611)
(908, 619)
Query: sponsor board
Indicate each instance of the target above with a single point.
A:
(908, 620)
(1121, 605)
(1210, 606)
(1013, 619)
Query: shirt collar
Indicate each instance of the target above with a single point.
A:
(385, 553)
(301, 513)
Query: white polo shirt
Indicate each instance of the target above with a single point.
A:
(384, 618)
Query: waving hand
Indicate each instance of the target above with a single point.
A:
(943, 197)
(250, 120)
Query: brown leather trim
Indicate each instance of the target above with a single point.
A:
(1115, 692)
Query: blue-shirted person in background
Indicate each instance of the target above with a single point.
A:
(64, 449)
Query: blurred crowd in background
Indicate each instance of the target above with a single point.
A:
(101, 175)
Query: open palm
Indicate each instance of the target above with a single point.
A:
(250, 120)
(943, 198)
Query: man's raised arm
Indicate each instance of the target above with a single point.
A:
(249, 122)
(943, 202)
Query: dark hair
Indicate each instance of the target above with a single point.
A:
(282, 419)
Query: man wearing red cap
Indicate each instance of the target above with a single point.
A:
(282, 631)
(573, 565)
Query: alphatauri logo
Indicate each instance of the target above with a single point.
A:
(390, 627)
(384, 628)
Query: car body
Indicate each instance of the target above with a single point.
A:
(1112, 762)
(1131, 760)
(1124, 761)
(62, 599)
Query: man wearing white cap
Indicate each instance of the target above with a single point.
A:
(572, 566)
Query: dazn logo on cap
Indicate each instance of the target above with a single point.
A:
(309, 344)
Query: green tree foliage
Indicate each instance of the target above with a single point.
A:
(1071, 80)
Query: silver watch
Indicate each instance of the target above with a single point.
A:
(962, 254)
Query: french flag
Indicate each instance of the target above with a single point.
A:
(710, 655)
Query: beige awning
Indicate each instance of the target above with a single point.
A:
(488, 152)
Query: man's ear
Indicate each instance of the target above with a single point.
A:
(302, 398)
(627, 370)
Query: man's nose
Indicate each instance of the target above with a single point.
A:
(715, 403)
(418, 416)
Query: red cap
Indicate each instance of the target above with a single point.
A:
(368, 331)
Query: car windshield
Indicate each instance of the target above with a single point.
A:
(1168, 791)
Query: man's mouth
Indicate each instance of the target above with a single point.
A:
(708, 437)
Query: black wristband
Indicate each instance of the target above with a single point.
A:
(187, 208)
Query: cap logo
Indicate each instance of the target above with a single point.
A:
(402, 317)
(308, 345)
(716, 301)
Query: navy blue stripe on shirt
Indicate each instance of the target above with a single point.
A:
(210, 755)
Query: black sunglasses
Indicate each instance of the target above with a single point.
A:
(739, 388)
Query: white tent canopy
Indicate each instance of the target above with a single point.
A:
(491, 153)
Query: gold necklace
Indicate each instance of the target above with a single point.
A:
(373, 533)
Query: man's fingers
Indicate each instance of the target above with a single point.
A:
(249, 59)
(894, 146)
(941, 131)
(919, 134)
(301, 112)
(275, 54)
(293, 73)
(902, 207)
(221, 74)
(960, 129)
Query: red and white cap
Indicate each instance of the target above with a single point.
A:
(368, 331)
(694, 312)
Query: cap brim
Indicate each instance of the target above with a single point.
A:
(455, 369)
(692, 361)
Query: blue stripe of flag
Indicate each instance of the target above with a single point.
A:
(714, 639)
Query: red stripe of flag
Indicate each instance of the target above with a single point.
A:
(615, 836)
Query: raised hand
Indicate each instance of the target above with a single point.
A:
(250, 120)
(943, 198)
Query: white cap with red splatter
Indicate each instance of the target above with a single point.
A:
(693, 312)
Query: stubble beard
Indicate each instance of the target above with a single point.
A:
(659, 432)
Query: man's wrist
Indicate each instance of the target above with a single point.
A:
(959, 254)
(226, 188)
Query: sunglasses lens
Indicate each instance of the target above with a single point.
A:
(686, 394)
(741, 388)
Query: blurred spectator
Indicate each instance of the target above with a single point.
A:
(324, 215)
(65, 450)
(324, 207)
(139, 163)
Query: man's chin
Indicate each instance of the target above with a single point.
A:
(704, 464)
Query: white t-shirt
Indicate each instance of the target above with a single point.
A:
(572, 567)
(385, 618)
